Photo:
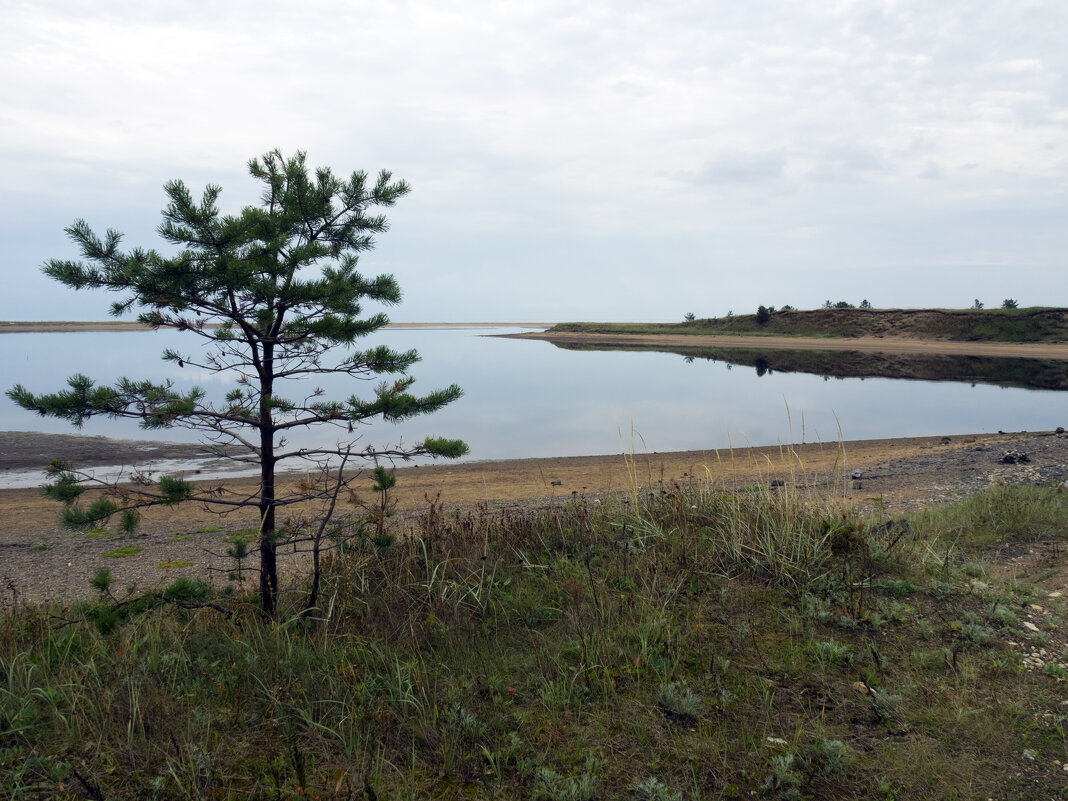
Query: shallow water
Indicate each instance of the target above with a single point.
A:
(526, 398)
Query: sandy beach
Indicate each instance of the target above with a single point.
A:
(43, 562)
(1035, 350)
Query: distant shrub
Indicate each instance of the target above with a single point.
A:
(1009, 303)
(763, 315)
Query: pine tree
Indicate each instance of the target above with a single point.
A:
(274, 293)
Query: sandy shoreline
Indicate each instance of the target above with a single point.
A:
(1032, 350)
(41, 561)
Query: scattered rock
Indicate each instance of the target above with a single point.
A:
(1014, 457)
(1058, 430)
(778, 482)
(946, 440)
(857, 475)
(777, 741)
(1027, 624)
(860, 687)
(558, 483)
(1029, 754)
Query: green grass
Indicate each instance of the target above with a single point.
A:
(1003, 325)
(123, 551)
(719, 646)
(172, 565)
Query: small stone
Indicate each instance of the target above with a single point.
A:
(860, 687)
(1037, 608)
(1055, 594)
(857, 475)
(1030, 626)
(1029, 754)
(776, 741)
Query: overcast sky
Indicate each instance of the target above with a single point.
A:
(569, 161)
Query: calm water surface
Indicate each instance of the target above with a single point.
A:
(527, 398)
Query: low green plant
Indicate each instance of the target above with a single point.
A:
(678, 700)
(122, 552)
(830, 653)
(652, 789)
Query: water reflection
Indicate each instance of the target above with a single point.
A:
(1046, 374)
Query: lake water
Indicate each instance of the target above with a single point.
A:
(528, 398)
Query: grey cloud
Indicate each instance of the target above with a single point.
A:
(741, 168)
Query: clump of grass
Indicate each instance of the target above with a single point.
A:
(122, 552)
(679, 701)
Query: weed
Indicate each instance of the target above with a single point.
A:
(652, 789)
(678, 701)
(1000, 615)
(830, 653)
(1055, 670)
(123, 552)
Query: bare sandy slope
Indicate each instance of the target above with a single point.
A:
(40, 561)
(863, 344)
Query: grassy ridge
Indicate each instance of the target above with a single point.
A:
(690, 644)
(997, 325)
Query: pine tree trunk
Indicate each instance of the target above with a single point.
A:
(268, 549)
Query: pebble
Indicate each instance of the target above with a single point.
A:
(776, 741)
(1030, 626)
(860, 687)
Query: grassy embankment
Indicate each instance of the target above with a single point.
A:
(690, 644)
(996, 325)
